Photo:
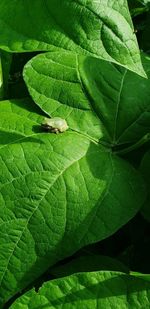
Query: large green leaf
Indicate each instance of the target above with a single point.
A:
(58, 193)
(97, 98)
(101, 28)
(97, 290)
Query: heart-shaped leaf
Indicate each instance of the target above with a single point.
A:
(101, 28)
(97, 98)
(58, 194)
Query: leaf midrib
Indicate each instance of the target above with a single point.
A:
(118, 106)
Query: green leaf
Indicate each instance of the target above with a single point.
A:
(145, 170)
(142, 276)
(58, 194)
(1, 79)
(97, 290)
(89, 27)
(54, 82)
(87, 263)
(97, 98)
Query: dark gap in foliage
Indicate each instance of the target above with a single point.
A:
(16, 86)
(134, 157)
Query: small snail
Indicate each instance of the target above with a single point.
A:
(54, 125)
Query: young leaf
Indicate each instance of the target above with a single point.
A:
(95, 290)
(103, 29)
(58, 194)
(97, 98)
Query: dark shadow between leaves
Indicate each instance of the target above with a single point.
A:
(28, 105)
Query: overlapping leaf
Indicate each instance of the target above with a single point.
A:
(96, 97)
(101, 28)
(58, 193)
(97, 290)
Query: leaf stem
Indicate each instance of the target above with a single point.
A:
(142, 141)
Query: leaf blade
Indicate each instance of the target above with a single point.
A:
(38, 169)
(97, 28)
(93, 290)
(98, 99)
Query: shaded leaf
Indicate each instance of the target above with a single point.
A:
(87, 263)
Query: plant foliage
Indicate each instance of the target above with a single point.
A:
(79, 61)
